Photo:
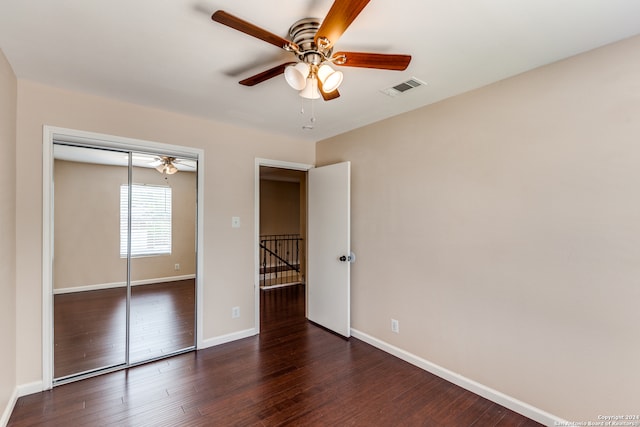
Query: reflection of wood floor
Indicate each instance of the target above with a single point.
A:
(293, 373)
(89, 327)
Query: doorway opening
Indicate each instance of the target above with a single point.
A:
(282, 231)
(281, 228)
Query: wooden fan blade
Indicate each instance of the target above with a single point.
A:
(241, 25)
(327, 96)
(340, 16)
(265, 75)
(380, 61)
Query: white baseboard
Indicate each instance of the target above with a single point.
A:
(464, 382)
(222, 339)
(6, 414)
(100, 286)
(30, 388)
(19, 391)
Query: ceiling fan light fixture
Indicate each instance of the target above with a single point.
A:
(330, 79)
(296, 75)
(310, 90)
(166, 165)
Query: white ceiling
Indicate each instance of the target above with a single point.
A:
(117, 158)
(171, 55)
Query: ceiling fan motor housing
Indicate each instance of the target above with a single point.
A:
(302, 33)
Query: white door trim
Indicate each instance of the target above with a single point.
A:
(274, 164)
(50, 133)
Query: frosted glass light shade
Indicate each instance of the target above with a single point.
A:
(310, 91)
(330, 79)
(168, 168)
(296, 75)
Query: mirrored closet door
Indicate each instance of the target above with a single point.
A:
(124, 259)
(163, 256)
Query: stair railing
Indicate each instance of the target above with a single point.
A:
(280, 259)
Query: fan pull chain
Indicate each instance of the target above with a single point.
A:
(312, 119)
(313, 113)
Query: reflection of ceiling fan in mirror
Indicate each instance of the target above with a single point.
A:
(312, 44)
(167, 165)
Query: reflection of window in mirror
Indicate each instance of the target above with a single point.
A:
(150, 220)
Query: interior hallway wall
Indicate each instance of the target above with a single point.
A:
(279, 207)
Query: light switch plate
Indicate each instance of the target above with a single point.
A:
(235, 221)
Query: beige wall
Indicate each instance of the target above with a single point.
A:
(228, 167)
(279, 207)
(87, 225)
(8, 91)
(501, 228)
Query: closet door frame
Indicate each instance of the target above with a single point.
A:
(51, 134)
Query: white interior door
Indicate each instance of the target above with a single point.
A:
(329, 228)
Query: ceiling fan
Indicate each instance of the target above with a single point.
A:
(312, 42)
(167, 165)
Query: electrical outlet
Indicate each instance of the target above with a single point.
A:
(176, 267)
(235, 312)
(395, 326)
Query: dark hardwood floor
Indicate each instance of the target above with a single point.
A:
(163, 318)
(293, 373)
(89, 327)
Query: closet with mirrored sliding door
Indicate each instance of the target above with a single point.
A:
(124, 258)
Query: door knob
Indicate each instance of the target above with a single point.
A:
(351, 258)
